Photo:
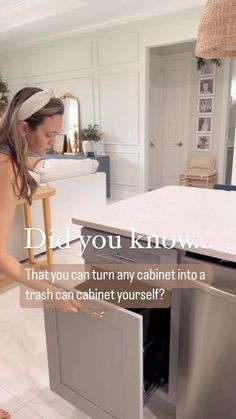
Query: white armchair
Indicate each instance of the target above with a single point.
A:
(201, 170)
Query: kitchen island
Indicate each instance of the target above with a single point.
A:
(208, 215)
(101, 366)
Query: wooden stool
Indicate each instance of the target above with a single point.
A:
(204, 181)
(43, 193)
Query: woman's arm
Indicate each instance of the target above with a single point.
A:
(9, 266)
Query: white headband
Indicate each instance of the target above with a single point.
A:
(34, 103)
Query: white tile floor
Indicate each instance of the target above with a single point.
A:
(24, 383)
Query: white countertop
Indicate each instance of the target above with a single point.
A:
(208, 214)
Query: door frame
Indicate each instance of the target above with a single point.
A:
(225, 115)
(222, 146)
(189, 56)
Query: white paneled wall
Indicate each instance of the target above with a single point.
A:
(104, 74)
(107, 71)
(119, 108)
(82, 87)
(121, 164)
(111, 49)
(62, 58)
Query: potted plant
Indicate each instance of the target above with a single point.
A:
(89, 136)
(3, 96)
(202, 62)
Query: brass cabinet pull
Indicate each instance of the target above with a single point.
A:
(98, 315)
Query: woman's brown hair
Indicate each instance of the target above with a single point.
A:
(16, 145)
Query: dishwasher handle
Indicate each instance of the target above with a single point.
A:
(223, 279)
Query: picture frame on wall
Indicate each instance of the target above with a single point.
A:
(203, 142)
(205, 105)
(204, 124)
(208, 68)
(206, 86)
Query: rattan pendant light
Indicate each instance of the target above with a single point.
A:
(217, 30)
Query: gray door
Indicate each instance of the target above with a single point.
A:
(97, 364)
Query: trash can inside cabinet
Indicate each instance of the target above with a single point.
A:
(156, 345)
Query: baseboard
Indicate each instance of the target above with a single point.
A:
(117, 195)
(162, 404)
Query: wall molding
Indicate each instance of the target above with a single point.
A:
(24, 4)
(119, 151)
(222, 148)
(119, 195)
(83, 72)
(119, 62)
(136, 72)
(132, 185)
(138, 19)
(60, 51)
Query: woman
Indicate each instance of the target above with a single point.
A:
(30, 124)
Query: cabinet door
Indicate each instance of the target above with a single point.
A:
(97, 364)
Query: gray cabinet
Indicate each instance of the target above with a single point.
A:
(124, 255)
(98, 365)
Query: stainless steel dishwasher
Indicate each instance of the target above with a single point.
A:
(207, 348)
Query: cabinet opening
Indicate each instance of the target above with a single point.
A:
(156, 345)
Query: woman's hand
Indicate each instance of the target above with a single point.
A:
(74, 305)
(65, 305)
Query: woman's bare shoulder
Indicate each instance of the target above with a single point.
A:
(6, 167)
(33, 161)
